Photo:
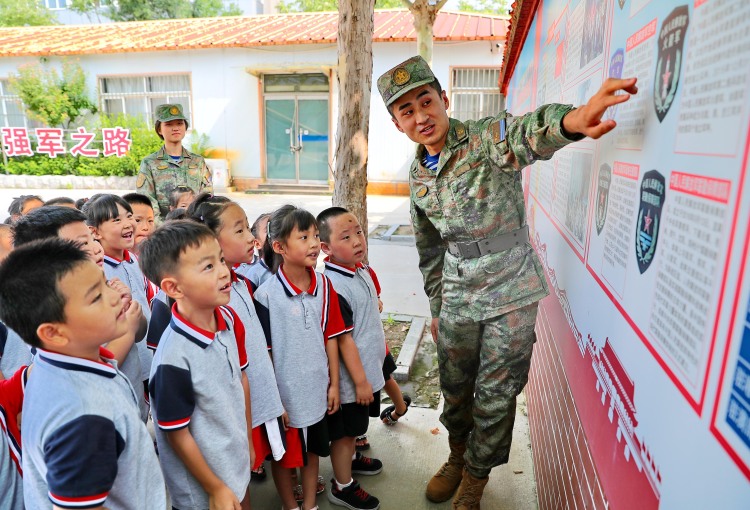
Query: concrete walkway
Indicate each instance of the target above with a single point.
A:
(415, 448)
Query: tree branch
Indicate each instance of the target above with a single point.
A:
(440, 5)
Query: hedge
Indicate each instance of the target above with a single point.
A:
(145, 141)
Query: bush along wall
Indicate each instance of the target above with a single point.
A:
(144, 142)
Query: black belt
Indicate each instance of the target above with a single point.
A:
(476, 249)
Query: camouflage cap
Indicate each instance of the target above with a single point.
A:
(167, 112)
(406, 76)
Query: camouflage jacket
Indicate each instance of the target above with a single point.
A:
(476, 193)
(159, 175)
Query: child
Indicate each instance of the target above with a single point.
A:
(199, 391)
(143, 215)
(84, 444)
(110, 219)
(229, 223)
(70, 224)
(23, 205)
(176, 214)
(11, 401)
(6, 241)
(344, 241)
(181, 198)
(62, 202)
(301, 315)
(257, 271)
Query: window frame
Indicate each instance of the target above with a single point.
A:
(146, 96)
(483, 92)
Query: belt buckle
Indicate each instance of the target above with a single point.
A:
(469, 250)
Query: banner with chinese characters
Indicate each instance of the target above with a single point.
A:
(17, 141)
(644, 236)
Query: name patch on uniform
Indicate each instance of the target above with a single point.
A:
(460, 131)
(463, 169)
(498, 131)
(161, 167)
(422, 191)
(140, 181)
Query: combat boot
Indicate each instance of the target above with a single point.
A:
(445, 482)
(469, 492)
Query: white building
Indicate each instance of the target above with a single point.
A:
(263, 88)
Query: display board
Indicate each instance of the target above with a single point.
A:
(646, 234)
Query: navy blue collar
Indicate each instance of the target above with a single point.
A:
(104, 368)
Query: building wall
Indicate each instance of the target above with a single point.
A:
(639, 390)
(226, 98)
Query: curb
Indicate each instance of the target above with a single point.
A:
(409, 348)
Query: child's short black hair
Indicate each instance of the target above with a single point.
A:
(280, 226)
(103, 207)
(16, 206)
(61, 201)
(207, 208)
(81, 202)
(160, 253)
(137, 198)
(324, 217)
(44, 223)
(176, 193)
(29, 285)
(257, 222)
(177, 214)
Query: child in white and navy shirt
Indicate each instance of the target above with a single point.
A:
(199, 391)
(229, 223)
(302, 316)
(111, 220)
(81, 420)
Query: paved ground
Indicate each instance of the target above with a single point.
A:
(414, 449)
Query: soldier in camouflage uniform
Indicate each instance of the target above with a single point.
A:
(172, 165)
(481, 274)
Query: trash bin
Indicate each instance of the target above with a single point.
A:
(220, 174)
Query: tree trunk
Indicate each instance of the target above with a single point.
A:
(424, 18)
(355, 31)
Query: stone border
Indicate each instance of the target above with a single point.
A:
(411, 344)
(66, 182)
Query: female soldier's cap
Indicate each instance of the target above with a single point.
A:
(167, 112)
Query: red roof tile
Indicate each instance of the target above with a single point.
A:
(234, 32)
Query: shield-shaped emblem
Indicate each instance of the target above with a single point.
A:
(670, 59)
(602, 196)
(649, 217)
(616, 64)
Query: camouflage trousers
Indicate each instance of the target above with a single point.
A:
(484, 365)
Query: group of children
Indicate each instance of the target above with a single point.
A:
(224, 333)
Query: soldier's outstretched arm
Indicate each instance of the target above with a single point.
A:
(431, 249)
(587, 119)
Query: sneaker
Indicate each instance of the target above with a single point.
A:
(353, 497)
(362, 465)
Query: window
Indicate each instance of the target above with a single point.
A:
(55, 4)
(295, 83)
(475, 93)
(140, 95)
(12, 112)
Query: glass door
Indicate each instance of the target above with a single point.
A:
(281, 126)
(297, 138)
(312, 133)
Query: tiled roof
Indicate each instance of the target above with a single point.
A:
(234, 32)
(521, 15)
